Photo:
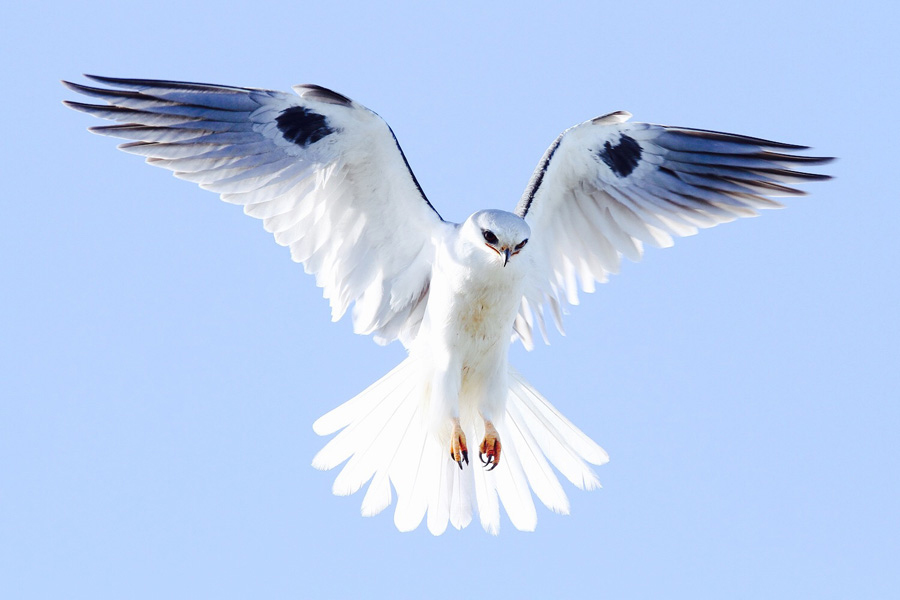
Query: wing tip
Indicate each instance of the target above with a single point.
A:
(187, 86)
(70, 85)
(721, 136)
(87, 108)
(103, 79)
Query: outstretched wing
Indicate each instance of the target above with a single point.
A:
(606, 187)
(325, 174)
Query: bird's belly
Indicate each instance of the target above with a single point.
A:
(468, 322)
(480, 327)
(484, 320)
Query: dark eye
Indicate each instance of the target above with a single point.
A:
(489, 236)
(521, 244)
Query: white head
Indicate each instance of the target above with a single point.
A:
(501, 234)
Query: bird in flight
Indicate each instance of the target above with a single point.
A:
(327, 177)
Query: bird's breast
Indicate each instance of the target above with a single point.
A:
(481, 308)
(470, 312)
(483, 313)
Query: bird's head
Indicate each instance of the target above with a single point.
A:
(500, 233)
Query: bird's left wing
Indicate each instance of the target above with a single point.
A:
(606, 187)
(324, 173)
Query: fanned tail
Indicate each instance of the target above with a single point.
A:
(385, 437)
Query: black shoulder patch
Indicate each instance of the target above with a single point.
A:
(302, 126)
(622, 158)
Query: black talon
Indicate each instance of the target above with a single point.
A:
(465, 458)
(493, 466)
(459, 462)
(481, 458)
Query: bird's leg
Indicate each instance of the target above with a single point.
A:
(445, 408)
(458, 449)
(489, 451)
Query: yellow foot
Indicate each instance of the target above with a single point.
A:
(458, 449)
(489, 451)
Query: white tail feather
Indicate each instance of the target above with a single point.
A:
(488, 502)
(512, 486)
(385, 437)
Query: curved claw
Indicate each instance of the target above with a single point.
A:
(458, 450)
(489, 452)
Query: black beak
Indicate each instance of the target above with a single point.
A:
(505, 256)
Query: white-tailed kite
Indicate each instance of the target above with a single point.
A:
(328, 178)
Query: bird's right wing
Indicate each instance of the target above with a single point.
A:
(324, 173)
(606, 187)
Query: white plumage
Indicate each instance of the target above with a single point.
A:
(328, 179)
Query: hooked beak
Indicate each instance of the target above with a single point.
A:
(505, 256)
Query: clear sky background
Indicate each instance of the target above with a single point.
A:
(162, 359)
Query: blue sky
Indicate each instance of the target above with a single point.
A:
(162, 360)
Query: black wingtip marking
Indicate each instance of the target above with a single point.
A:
(302, 126)
(72, 86)
(107, 94)
(719, 136)
(623, 158)
(92, 108)
(778, 157)
(800, 175)
(190, 86)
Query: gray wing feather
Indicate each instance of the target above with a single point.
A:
(606, 187)
(324, 174)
